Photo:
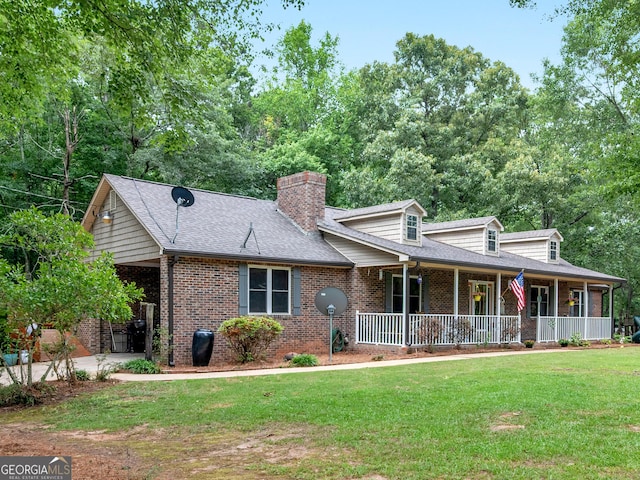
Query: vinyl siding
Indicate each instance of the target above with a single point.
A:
(472, 240)
(361, 255)
(536, 250)
(125, 237)
(388, 226)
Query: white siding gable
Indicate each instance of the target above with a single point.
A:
(388, 227)
(474, 238)
(361, 255)
(534, 246)
(392, 226)
(124, 237)
(471, 239)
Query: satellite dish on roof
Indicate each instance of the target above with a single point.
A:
(183, 198)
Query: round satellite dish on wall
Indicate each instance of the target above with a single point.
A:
(331, 296)
(182, 196)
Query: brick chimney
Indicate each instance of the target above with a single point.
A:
(301, 197)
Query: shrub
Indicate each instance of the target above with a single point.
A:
(529, 343)
(249, 337)
(605, 341)
(83, 375)
(563, 342)
(304, 360)
(17, 394)
(576, 339)
(140, 366)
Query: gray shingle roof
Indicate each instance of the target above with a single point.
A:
(343, 215)
(217, 225)
(529, 234)
(433, 251)
(458, 224)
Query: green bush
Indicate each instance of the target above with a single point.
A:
(563, 342)
(140, 365)
(304, 360)
(249, 337)
(17, 394)
(83, 375)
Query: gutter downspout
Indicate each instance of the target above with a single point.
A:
(170, 264)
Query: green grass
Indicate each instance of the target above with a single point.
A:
(556, 416)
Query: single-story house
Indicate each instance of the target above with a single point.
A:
(208, 257)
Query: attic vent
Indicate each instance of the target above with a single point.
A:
(113, 204)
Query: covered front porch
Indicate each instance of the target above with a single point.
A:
(430, 305)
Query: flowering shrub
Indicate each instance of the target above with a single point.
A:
(249, 337)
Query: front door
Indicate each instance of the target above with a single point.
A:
(481, 301)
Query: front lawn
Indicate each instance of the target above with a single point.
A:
(557, 415)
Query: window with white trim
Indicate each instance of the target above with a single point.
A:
(412, 227)
(553, 250)
(492, 240)
(269, 290)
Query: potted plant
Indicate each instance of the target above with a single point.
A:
(571, 300)
(529, 343)
(7, 344)
(478, 294)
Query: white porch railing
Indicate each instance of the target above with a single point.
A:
(427, 329)
(552, 329)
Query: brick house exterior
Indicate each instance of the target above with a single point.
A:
(196, 264)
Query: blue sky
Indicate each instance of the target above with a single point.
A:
(369, 29)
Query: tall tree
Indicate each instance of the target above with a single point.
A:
(444, 110)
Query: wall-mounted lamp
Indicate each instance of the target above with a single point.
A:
(107, 217)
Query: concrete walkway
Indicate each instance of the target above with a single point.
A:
(129, 377)
(91, 365)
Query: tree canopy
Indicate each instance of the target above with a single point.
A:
(168, 91)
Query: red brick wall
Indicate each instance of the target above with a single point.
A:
(206, 294)
(302, 198)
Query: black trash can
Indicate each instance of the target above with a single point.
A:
(201, 347)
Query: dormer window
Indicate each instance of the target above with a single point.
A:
(492, 241)
(553, 250)
(412, 227)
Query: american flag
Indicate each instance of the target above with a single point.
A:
(517, 287)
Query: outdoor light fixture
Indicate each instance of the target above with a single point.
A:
(107, 217)
(419, 279)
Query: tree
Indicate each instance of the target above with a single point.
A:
(53, 284)
(438, 110)
(40, 43)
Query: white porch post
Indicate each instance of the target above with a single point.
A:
(555, 309)
(499, 304)
(611, 317)
(586, 308)
(405, 303)
(456, 282)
